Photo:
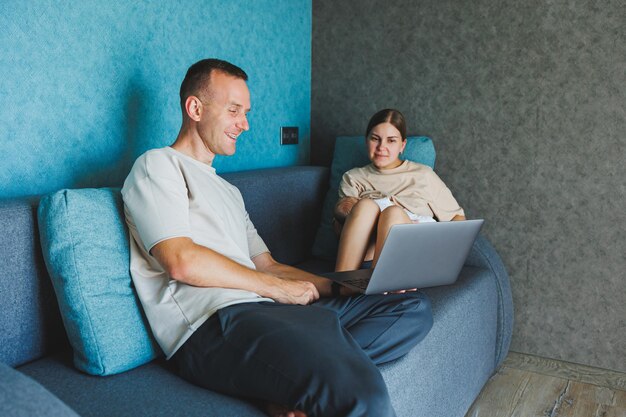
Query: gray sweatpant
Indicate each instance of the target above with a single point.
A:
(320, 358)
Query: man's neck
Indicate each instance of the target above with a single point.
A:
(189, 143)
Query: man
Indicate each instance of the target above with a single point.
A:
(232, 318)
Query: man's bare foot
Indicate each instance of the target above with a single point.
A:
(275, 410)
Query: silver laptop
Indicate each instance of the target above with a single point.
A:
(416, 256)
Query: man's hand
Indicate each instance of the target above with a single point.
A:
(288, 291)
(291, 277)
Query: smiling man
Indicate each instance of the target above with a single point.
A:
(230, 317)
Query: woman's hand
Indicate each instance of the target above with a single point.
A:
(400, 291)
(344, 207)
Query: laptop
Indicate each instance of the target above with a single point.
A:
(415, 256)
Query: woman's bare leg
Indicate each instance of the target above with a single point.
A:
(390, 216)
(356, 235)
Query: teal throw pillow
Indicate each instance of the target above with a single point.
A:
(350, 152)
(85, 244)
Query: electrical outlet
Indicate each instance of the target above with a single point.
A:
(288, 135)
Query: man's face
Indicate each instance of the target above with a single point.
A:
(224, 116)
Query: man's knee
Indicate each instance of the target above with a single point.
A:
(372, 398)
(376, 398)
(367, 394)
(414, 313)
(415, 304)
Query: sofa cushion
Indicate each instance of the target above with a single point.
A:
(453, 362)
(20, 396)
(85, 245)
(27, 297)
(149, 390)
(446, 371)
(285, 205)
(350, 152)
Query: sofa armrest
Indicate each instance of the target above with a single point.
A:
(483, 255)
(21, 396)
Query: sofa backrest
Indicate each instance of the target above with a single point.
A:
(30, 324)
(283, 203)
(285, 206)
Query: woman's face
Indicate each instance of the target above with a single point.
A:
(384, 144)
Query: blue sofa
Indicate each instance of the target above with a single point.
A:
(440, 377)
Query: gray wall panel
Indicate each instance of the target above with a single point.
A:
(525, 102)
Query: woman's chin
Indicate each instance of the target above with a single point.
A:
(385, 163)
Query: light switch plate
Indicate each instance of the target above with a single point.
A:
(289, 135)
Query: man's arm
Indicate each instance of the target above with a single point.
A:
(458, 217)
(266, 263)
(196, 265)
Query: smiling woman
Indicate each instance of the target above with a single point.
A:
(386, 138)
(387, 192)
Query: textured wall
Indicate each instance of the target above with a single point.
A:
(86, 86)
(526, 104)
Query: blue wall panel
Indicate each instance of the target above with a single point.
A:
(86, 87)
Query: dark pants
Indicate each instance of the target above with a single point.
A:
(320, 359)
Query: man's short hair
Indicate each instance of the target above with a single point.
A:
(198, 76)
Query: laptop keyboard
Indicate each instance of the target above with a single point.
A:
(360, 283)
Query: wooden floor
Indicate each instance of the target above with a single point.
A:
(529, 386)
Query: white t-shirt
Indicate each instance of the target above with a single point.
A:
(168, 194)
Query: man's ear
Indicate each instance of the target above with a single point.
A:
(194, 108)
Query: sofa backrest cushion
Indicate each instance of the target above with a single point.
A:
(85, 245)
(86, 248)
(285, 205)
(350, 152)
(31, 325)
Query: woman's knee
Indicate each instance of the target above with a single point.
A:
(366, 206)
(394, 213)
(389, 217)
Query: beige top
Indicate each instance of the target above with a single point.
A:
(168, 194)
(412, 186)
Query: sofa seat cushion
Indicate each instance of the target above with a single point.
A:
(21, 396)
(448, 369)
(85, 245)
(149, 390)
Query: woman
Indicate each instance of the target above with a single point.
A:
(386, 192)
